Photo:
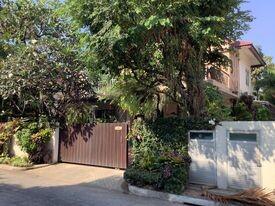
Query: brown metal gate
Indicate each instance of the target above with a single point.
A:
(102, 144)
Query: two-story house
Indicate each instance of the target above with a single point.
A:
(235, 81)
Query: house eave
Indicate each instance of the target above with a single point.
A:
(253, 50)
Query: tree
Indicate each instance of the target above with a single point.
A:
(41, 74)
(264, 78)
(164, 46)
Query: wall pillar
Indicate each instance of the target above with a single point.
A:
(221, 152)
(55, 145)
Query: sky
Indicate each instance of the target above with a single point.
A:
(262, 32)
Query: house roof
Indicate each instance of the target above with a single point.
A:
(251, 47)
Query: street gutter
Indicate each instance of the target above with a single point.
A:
(183, 199)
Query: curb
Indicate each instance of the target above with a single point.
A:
(172, 197)
(9, 167)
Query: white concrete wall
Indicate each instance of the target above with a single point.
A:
(266, 132)
(266, 148)
(54, 145)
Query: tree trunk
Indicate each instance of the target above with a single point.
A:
(196, 99)
(195, 75)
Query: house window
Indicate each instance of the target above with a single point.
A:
(247, 77)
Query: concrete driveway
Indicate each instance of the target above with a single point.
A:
(67, 184)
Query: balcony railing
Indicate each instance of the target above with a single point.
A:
(223, 80)
(219, 76)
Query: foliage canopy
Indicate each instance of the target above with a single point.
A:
(40, 70)
(163, 45)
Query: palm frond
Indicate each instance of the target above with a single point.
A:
(254, 196)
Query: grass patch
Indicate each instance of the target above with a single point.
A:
(15, 161)
(4, 160)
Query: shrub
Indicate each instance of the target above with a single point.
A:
(241, 113)
(171, 131)
(32, 138)
(80, 113)
(159, 151)
(246, 109)
(262, 113)
(166, 174)
(15, 161)
(215, 106)
(7, 130)
(140, 177)
(4, 159)
(20, 162)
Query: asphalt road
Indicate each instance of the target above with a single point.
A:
(21, 188)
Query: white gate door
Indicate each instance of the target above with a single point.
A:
(203, 169)
(243, 160)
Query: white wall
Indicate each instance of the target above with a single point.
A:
(266, 148)
(266, 145)
(54, 145)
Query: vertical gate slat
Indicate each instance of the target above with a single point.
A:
(111, 145)
(109, 148)
(117, 148)
(89, 144)
(95, 142)
(103, 146)
(82, 152)
(77, 157)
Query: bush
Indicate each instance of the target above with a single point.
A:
(15, 161)
(246, 109)
(140, 177)
(7, 130)
(159, 151)
(32, 138)
(80, 113)
(241, 113)
(20, 162)
(4, 159)
(168, 173)
(215, 106)
(262, 113)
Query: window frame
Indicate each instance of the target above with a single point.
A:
(202, 131)
(244, 132)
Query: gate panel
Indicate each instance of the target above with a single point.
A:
(103, 144)
(243, 160)
(203, 169)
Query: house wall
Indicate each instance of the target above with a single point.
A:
(234, 72)
(235, 77)
(266, 150)
(228, 83)
(245, 65)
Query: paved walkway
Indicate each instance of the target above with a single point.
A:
(67, 184)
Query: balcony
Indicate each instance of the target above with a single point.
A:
(223, 80)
